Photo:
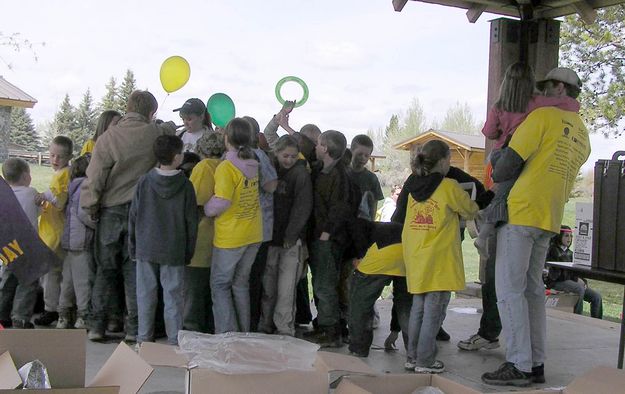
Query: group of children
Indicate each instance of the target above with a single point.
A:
(240, 215)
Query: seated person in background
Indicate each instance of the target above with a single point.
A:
(563, 280)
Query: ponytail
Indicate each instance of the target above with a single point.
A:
(427, 156)
(239, 133)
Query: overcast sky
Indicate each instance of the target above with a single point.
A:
(362, 61)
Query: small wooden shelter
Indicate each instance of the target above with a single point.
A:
(10, 96)
(467, 150)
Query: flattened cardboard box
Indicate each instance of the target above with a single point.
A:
(201, 381)
(599, 380)
(63, 352)
(399, 384)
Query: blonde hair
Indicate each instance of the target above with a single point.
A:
(104, 122)
(517, 88)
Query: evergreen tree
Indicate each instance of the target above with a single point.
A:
(23, 130)
(64, 122)
(597, 53)
(46, 133)
(127, 87)
(85, 121)
(109, 101)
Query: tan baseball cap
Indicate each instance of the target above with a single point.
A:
(561, 74)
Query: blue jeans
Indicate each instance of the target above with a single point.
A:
(364, 290)
(521, 254)
(230, 275)
(198, 304)
(111, 256)
(171, 278)
(17, 301)
(585, 293)
(325, 260)
(426, 316)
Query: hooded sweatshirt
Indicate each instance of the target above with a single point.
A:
(163, 219)
(236, 203)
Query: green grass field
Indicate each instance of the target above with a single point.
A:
(612, 293)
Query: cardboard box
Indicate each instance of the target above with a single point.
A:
(328, 368)
(582, 239)
(600, 380)
(561, 301)
(63, 352)
(399, 384)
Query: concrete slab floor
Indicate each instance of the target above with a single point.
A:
(575, 345)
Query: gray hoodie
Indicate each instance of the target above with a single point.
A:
(163, 219)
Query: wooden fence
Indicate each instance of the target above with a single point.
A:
(41, 158)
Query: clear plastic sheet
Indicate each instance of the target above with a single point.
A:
(428, 390)
(34, 375)
(241, 353)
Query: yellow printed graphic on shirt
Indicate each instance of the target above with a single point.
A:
(554, 144)
(53, 217)
(431, 239)
(241, 223)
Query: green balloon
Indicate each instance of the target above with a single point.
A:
(221, 108)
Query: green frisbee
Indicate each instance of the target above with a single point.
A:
(297, 80)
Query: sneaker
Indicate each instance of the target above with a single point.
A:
(115, 326)
(409, 365)
(130, 338)
(6, 323)
(436, 367)
(95, 336)
(23, 324)
(63, 323)
(326, 339)
(389, 343)
(80, 323)
(442, 335)
(538, 374)
(507, 375)
(46, 318)
(477, 342)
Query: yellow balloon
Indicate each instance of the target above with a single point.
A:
(175, 73)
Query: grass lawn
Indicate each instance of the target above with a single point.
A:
(612, 293)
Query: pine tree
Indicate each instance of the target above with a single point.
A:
(23, 130)
(64, 122)
(85, 121)
(109, 101)
(127, 87)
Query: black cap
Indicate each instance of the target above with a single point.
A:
(192, 106)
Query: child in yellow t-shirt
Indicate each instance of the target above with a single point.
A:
(198, 313)
(432, 251)
(52, 221)
(238, 229)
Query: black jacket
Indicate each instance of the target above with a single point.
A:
(292, 202)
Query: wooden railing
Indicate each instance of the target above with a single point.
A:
(41, 158)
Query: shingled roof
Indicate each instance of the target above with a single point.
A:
(12, 96)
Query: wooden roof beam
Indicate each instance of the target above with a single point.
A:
(474, 13)
(585, 11)
(398, 5)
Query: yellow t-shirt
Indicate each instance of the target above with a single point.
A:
(386, 261)
(52, 217)
(554, 144)
(87, 147)
(241, 223)
(431, 239)
(203, 180)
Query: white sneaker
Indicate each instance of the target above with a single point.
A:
(62, 323)
(409, 365)
(477, 342)
(80, 323)
(436, 367)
